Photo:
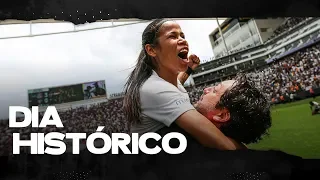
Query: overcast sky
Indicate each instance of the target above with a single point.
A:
(70, 58)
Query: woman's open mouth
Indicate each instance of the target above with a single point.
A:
(183, 55)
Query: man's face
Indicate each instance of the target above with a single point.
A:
(209, 99)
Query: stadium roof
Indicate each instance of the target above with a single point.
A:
(227, 20)
(52, 20)
(15, 21)
(225, 24)
(109, 24)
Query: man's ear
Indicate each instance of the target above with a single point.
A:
(150, 50)
(222, 116)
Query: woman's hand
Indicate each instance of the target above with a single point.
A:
(194, 61)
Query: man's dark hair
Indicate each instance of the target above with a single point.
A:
(250, 116)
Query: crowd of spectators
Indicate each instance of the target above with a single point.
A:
(79, 120)
(284, 78)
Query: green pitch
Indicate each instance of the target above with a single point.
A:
(294, 130)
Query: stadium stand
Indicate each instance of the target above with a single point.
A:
(290, 23)
(285, 79)
(270, 48)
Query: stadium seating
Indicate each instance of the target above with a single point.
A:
(292, 74)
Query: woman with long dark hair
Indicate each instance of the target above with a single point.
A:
(154, 96)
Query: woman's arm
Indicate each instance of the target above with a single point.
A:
(194, 62)
(205, 132)
(182, 77)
